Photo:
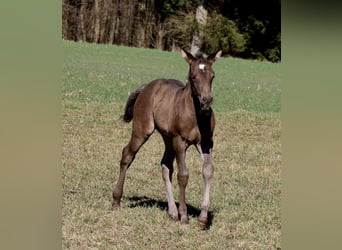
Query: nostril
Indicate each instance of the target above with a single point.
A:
(207, 100)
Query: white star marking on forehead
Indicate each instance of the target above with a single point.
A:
(201, 66)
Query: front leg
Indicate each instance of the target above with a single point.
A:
(206, 126)
(207, 171)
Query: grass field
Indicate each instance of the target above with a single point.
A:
(246, 189)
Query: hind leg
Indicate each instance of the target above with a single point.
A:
(167, 171)
(138, 138)
(182, 177)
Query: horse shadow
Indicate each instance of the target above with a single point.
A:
(144, 201)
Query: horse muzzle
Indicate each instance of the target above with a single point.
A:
(205, 102)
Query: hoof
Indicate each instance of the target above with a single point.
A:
(184, 220)
(173, 213)
(115, 205)
(202, 223)
(174, 216)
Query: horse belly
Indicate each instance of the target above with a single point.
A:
(163, 119)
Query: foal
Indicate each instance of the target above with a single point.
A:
(183, 116)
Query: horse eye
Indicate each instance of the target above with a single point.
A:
(193, 77)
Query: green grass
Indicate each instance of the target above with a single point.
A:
(245, 196)
(103, 73)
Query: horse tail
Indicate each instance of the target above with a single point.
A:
(128, 115)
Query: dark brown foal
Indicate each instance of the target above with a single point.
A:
(183, 116)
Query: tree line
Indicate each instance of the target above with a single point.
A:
(241, 28)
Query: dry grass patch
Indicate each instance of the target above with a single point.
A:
(245, 194)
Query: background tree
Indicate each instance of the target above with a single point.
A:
(241, 28)
(201, 19)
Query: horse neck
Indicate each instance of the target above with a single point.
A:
(188, 93)
(195, 105)
(191, 99)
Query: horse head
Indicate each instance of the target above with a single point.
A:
(201, 75)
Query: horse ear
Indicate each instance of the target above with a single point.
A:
(213, 57)
(187, 56)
